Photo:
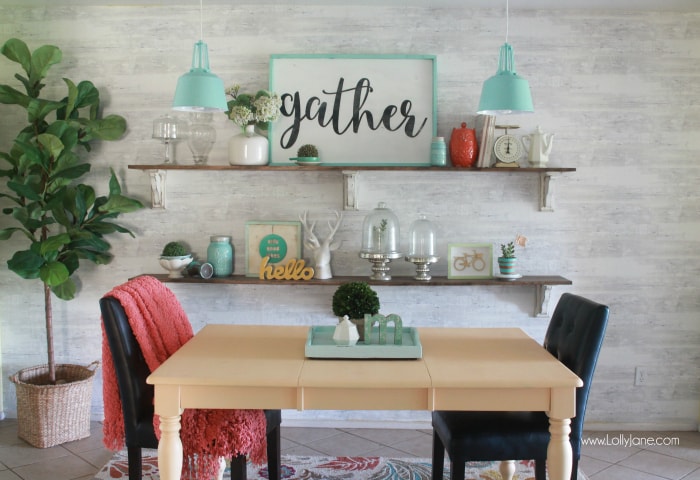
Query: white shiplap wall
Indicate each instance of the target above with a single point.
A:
(621, 91)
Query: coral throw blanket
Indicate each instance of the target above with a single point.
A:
(161, 327)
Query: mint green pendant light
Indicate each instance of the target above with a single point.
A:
(506, 92)
(199, 90)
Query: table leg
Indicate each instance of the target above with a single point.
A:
(170, 449)
(559, 455)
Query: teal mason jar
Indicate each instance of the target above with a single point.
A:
(220, 255)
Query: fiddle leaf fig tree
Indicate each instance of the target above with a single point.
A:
(63, 221)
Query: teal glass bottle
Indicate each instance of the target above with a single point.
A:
(220, 255)
(438, 152)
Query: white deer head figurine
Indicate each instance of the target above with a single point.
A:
(321, 250)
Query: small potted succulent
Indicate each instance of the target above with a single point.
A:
(175, 258)
(355, 299)
(508, 260)
(306, 154)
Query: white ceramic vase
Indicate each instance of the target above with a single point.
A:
(248, 148)
(345, 333)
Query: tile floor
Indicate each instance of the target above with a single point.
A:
(618, 456)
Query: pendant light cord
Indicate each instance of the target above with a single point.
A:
(507, 21)
(201, 34)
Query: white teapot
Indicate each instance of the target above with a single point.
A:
(346, 333)
(538, 146)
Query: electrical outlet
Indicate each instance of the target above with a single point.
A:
(640, 376)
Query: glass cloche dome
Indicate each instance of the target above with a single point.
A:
(380, 232)
(421, 238)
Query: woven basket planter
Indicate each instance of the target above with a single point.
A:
(49, 415)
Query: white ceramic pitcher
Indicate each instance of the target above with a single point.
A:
(538, 146)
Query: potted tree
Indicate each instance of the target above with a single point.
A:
(354, 299)
(62, 222)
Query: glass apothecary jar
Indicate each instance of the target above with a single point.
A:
(201, 137)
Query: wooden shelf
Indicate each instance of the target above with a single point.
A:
(396, 281)
(297, 168)
(542, 283)
(350, 174)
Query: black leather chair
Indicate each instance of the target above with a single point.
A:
(137, 397)
(575, 335)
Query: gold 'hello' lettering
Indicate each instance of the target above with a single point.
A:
(296, 269)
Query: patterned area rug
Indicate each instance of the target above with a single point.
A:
(332, 468)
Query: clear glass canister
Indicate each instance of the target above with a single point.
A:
(421, 238)
(220, 255)
(201, 137)
(380, 231)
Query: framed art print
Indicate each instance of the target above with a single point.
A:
(469, 260)
(281, 241)
(356, 109)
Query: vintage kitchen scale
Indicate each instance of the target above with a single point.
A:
(507, 148)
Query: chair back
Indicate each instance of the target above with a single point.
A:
(575, 336)
(132, 371)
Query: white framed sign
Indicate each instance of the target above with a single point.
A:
(357, 109)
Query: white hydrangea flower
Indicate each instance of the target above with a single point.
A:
(241, 115)
(267, 109)
(246, 109)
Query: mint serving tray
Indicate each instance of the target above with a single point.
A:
(320, 344)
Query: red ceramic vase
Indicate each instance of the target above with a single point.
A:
(463, 146)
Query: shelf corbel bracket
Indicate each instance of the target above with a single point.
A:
(350, 200)
(542, 294)
(547, 180)
(157, 188)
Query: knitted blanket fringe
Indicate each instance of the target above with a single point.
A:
(161, 327)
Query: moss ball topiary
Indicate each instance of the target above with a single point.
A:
(174, 249)
(354, 299)
(307, 150)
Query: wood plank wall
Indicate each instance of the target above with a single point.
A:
(620, 90)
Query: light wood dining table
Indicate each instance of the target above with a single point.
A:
(265, 367)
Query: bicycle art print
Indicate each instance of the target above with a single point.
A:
(470, 260)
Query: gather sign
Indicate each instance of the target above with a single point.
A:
(357, 109)
(342, 110)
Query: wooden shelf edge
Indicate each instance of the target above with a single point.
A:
(396, 281)
(318, 168)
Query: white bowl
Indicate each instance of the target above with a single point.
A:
(175, 265)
